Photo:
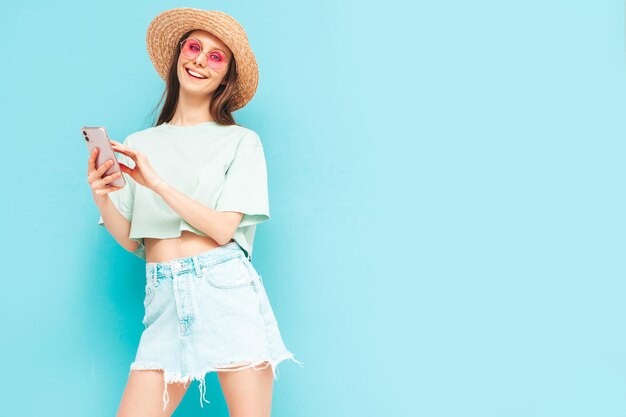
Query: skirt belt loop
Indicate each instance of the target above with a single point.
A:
(196, 265)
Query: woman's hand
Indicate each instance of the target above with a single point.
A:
(99, 185)
(142, 173)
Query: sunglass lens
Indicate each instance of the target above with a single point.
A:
(191, 48)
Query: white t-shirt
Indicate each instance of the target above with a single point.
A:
(222, 167)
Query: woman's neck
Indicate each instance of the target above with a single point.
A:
(191, 110)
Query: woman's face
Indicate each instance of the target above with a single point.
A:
(212, 63)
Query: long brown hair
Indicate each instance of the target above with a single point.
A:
(220, 102)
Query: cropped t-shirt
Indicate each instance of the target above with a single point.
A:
(221, 167)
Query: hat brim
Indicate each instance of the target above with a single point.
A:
(166, 29)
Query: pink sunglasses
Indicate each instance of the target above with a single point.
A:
(191, 48)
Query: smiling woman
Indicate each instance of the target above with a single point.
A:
(196, 189)
(227, 86)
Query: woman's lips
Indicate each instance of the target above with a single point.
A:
(193, 76)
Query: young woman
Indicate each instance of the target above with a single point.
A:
(196, 189)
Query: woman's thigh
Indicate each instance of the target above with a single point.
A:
(248, 392)
(143, 395)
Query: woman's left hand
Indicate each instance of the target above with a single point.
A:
(143, 173)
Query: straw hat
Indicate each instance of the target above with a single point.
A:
(166, 29)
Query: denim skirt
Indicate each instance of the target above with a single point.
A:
(207, 312)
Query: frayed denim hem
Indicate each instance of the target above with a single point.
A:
(176, 377)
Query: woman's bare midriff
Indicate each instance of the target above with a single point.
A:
(188, 244)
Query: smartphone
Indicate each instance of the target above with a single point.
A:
(97, 137)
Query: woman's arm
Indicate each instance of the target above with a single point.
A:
(219, 225)
(115, 222)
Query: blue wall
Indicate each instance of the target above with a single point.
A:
(447, 196)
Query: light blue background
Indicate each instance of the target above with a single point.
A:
(446, 191)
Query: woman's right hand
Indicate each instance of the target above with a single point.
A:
(99, 185)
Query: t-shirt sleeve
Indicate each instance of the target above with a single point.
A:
(245, 186)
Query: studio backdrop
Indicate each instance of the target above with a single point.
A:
(446, 186)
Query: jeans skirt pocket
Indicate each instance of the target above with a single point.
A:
(229, 301)
(229, 273)
(149, 294)
(150, 291)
